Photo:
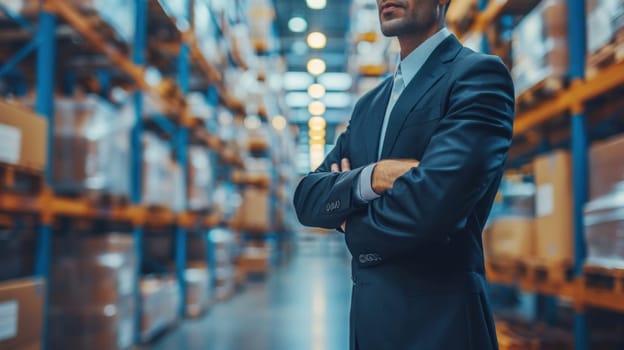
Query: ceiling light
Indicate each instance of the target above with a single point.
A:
(316, 91)
(317, 40)
(336, 81)
(297, 99)
(317, 123)
(297, 25)
(316, 4)
(297, 80)
(316, 108)
(279, 123)
(316, 66)
(317, 135)
(337, 100)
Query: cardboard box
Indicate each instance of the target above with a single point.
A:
(109, 327)
(90, 281)
(511, 238)
(21, 312)
(23, 137)
(255, 212)
(76, 246)
(32, 346)
(606, 166)
(553, 204)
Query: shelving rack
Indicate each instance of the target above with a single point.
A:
(571, 101)
(47, 205)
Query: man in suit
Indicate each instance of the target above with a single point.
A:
(414, 227)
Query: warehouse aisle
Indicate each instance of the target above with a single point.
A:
(303, 305)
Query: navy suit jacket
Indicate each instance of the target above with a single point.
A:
(417, 252)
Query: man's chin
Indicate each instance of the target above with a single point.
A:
(391, 28)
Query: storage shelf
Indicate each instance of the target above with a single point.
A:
(17, 203)
(574, 290)
(49, 205)
(572, 98)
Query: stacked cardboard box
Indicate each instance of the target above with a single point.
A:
(160, 301)
(201, 178)
(163, 183)
(553, 204)
(604, 228)
(198, 288)
(606, 166)
(16, 253)
(255, 214)
(89, 136)
(23, 137)
(605, 21)
(603, 220)
(539, 45)
(255, 258)
(510, 232)
(511, 238)
(21, 314)
(92, 293)
(223, 256)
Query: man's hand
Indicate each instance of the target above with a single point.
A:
(345, 165)
(387, 171)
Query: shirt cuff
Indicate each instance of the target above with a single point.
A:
(365, 188)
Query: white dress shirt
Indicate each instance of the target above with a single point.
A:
(406, 71)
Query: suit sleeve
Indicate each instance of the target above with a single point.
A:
(325, 199)
(465, 154)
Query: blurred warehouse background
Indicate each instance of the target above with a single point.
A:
(149, 151)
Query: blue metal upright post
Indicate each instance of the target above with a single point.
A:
(181, 147)
(136, 172)
(46, 64)
(577, 47)
(181, 233)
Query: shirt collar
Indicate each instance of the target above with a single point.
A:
(411, 64)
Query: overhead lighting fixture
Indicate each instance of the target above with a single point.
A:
(337, 100)
(297, 80)
(317, 123)
(279, 122)
(297, 99)
(297, 25)
(316, 66)
(316, 91)
(316, 108)
(336, 81)
(317, 40)
(317, 135)
(316, 4)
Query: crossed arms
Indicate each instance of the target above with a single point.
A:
(465, 154)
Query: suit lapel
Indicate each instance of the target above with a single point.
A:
(375, 119)
(430, 73)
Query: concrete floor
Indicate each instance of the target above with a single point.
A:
(303, 305)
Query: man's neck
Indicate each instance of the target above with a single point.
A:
(410, 42)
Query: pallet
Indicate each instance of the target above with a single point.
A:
(608, 55)
(540, 272)
(18, 179)
(603, 287)
(541, 91)
(604, 278)
(506, 271)
(106, 200)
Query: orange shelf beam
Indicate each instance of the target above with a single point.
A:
(606, 80)
(488, 16)
(12, 202)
